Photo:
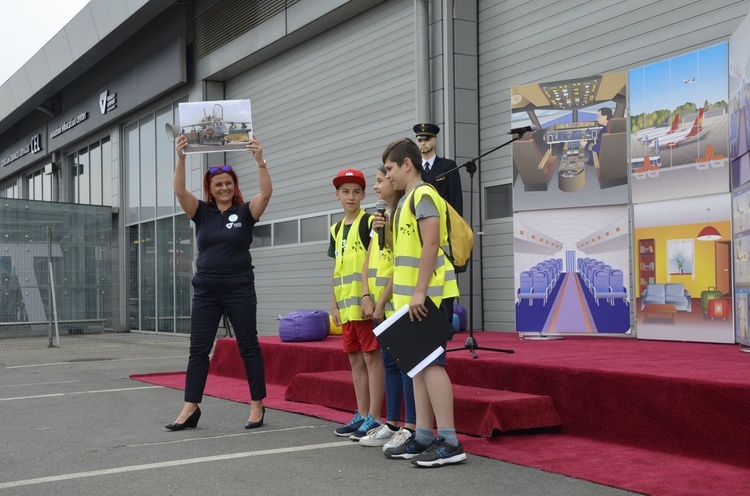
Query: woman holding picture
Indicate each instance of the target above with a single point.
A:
(224, 282)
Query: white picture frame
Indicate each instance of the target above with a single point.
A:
(216, 126)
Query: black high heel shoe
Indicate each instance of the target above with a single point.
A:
(254, 425)
(191, 422)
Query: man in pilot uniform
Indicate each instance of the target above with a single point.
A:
(603, 115)
(449, 186)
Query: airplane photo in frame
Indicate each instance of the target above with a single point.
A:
(216, 126)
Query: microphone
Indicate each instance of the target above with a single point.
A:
(380, 206)
(521, 130)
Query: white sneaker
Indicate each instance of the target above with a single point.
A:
(398, 439)
(377, 436)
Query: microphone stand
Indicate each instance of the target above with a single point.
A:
(227, 326)
(471, 168)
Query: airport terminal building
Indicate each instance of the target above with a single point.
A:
(86, 164)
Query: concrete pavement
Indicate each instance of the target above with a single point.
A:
(73, 423)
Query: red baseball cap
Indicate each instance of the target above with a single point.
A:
(349, 176)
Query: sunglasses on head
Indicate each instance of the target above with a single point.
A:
(217, 169)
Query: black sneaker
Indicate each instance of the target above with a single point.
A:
(439, 453)
(406, 451)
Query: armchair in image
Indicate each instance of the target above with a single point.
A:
(600, 286)
(674, 293)
(617, 287)
(611, 161)
(539, 287)
(590, 271)
(525, 286)
(551, 276)
(535, 168)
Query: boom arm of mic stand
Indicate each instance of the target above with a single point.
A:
(471, 165)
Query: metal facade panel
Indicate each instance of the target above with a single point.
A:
(294, 277)
(523, 42)
(228, 19)
(331, 103)
(81, 33)
(108, 15)
(300, 13)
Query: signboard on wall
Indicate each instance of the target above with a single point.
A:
(683, 261)
(739, 154)
(678, 123)
(679, 161)
(570, 194)
(577, 156)
(572, 270)
(27, 151)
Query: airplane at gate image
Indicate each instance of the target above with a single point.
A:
(650, 134)
(674, 139)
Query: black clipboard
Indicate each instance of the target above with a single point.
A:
(414, 345)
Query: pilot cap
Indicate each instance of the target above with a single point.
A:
(426, 129)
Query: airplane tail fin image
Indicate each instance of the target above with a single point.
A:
(697, 125)
(675, 123)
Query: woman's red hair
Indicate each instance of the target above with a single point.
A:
(237, 200)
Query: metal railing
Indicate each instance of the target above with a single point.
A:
(66, 276)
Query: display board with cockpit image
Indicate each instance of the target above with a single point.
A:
(577, 155)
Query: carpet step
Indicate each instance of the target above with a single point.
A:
(478, 411)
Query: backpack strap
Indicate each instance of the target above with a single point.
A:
(365, 224)
(447, 214)
(413, 209)
(341, 226)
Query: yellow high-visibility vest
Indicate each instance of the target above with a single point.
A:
(347, 271)
(407, 251)
(379, 271)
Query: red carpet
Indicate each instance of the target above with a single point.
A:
(652, 417)
(483, 411)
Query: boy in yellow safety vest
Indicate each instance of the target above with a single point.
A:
(348, 247)
(422, 270)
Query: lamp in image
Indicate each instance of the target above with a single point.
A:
(709, 233)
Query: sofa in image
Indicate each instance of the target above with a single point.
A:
(674, 293)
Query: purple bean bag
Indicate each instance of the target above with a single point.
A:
(304, 325)
(460, 311)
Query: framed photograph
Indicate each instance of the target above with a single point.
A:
(216, 126)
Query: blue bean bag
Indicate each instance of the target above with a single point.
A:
(304, 325)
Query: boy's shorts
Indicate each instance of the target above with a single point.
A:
(358, 336)
(440, 360)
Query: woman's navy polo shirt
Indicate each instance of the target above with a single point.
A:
(223, 239)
